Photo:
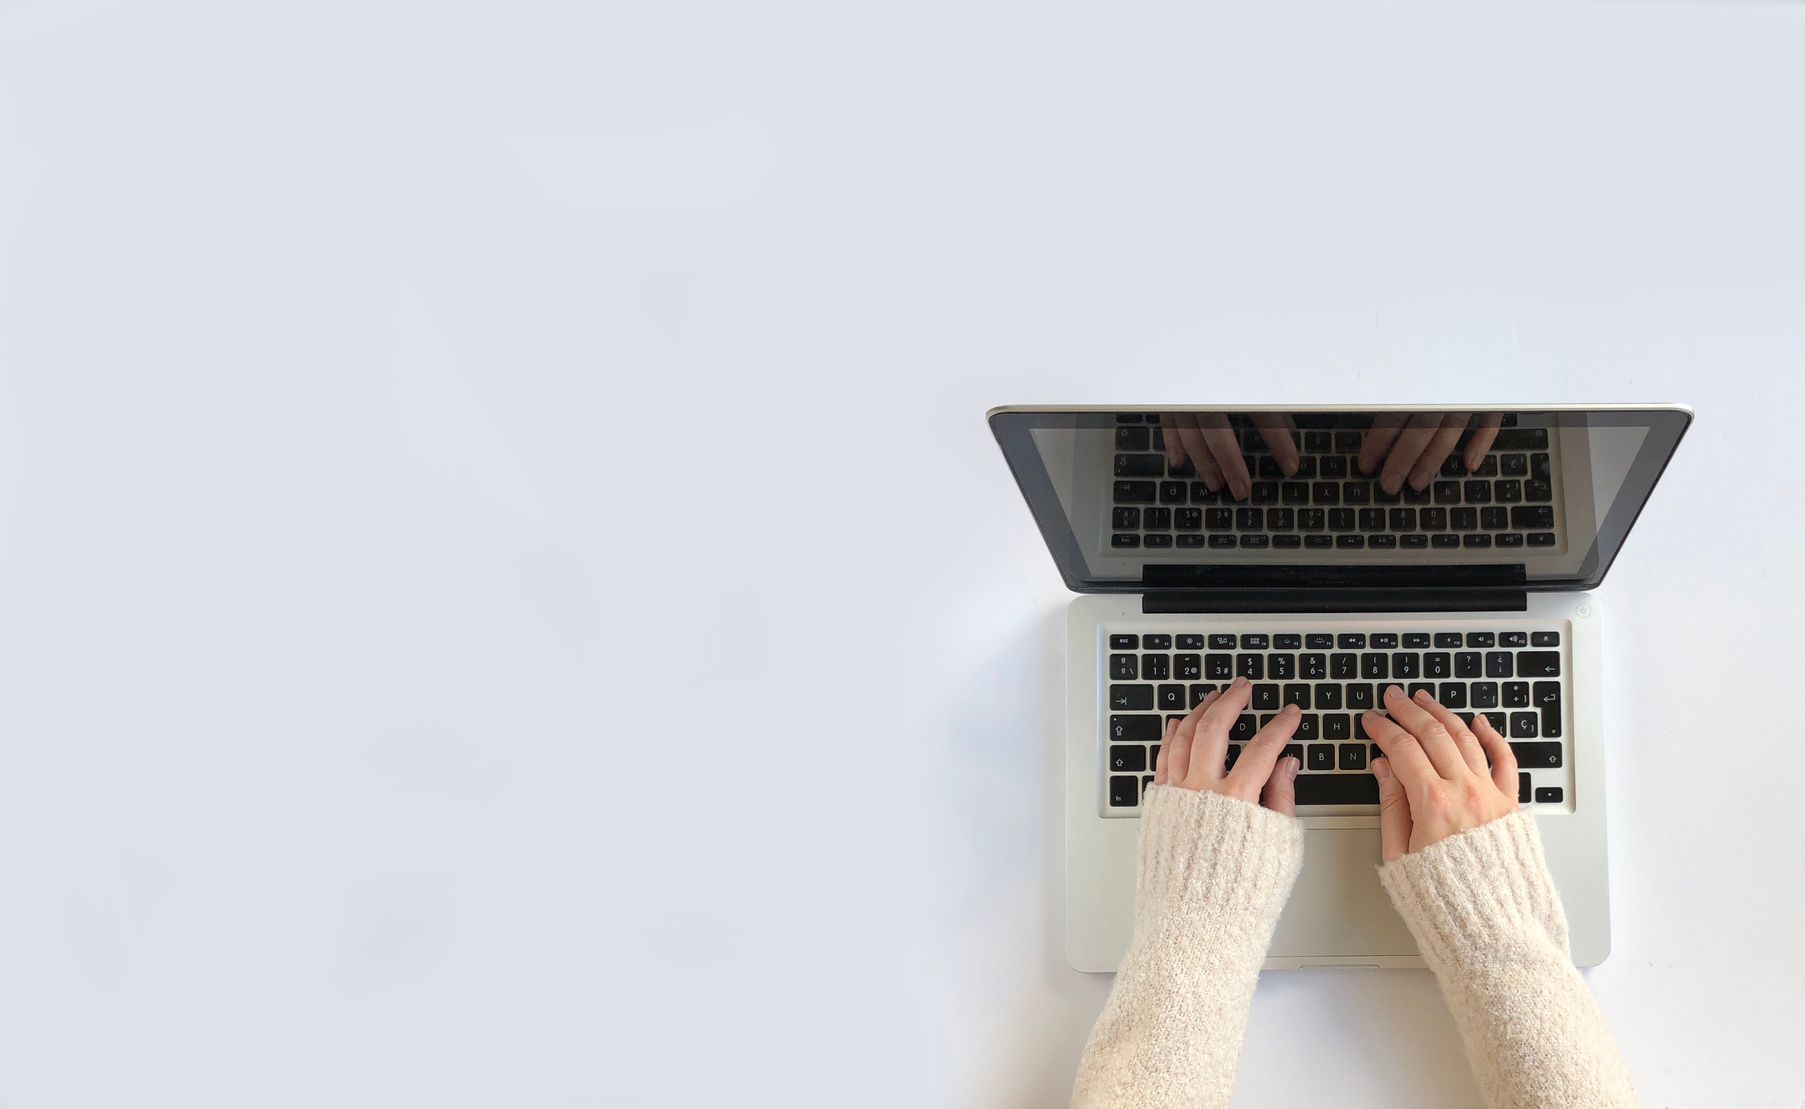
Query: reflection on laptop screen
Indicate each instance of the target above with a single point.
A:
(1198, 497)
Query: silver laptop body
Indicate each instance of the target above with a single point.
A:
(1486, 601)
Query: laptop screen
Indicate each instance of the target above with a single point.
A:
(1192, 497)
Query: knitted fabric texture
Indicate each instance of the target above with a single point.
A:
(1488, 919)
(1214, 873)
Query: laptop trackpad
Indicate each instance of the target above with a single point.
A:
(1338, 907)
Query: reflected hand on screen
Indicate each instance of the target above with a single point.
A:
(1412, 446)
(1208, 441)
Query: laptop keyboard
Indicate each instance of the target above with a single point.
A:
(1515, 678)
(1504, 502)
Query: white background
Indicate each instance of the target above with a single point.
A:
(507, 597)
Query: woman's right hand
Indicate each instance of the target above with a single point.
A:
(1433, 780)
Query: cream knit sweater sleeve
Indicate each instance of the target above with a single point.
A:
(1488, 919)
(1214, 873)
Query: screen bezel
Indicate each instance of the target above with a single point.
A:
(1012, 426)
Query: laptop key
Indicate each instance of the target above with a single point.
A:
(1523, 725)
(1131, 698)
(1548, 795)
(1128, 757)
(1523, 788)
(1172, 698)
(1266, 696)
(1124, 668)
(1545, 639)
(1136, 729)
(1353, 756)
(1539, 664)
(1322, 757)
(1337, 789)
(1219, 668)
(1124, 791)
(1199, 692)
(1537, 756)
(1313, 667)
(1547, 697)
(1244, 727)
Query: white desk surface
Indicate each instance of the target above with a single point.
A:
(507, 596)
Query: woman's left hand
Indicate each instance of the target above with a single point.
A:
(1194, 749)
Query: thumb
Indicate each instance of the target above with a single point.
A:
(1394, 812)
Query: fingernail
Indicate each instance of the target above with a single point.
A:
(1392, 690)
(1239, 489)
(1239, 682)
(1422, 696)
(1291, 768)
(1392, 483)
(1381, 771)
(1419, 479)
(1292, 709)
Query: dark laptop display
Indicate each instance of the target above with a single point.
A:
(1454, 502)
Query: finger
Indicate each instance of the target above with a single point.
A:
(1280, 794)
(1483, 437)
(1273, 429)
(1165, 754)
(1435, 740)
(1504, 760)
(1201, 456)
(1463, 737)
(1176, 749)
(1209, 744)
(1406, 756)
(1175, 451)
(1379, 438)
(1226, 446)
(1409, 448)
(1446, 438)
(1394, 812)
(1262, 754)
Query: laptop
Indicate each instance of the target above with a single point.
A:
(1206, 543)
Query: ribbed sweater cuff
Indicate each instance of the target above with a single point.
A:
(1479, 893)
(1201, 849)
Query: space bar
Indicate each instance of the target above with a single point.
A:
(1337, 789)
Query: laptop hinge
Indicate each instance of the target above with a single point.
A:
(1335, 600)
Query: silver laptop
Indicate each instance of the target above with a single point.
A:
(1211, 542)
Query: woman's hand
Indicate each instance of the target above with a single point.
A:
(1433, 780)
(1194, 749)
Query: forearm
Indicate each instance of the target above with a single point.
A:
(1488, 919)
(1214, 873)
